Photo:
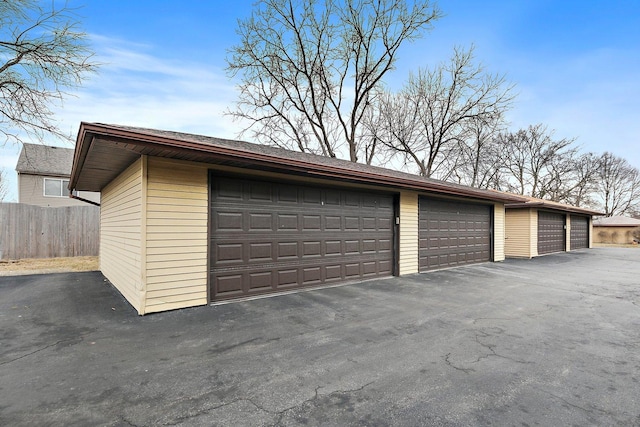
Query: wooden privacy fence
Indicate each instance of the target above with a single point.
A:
(28, 231)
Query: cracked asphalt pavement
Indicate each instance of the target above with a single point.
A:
(549, 341)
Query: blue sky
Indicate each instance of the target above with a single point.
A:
(576, 66)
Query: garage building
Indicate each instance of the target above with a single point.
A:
(539, 227)
(189, 220)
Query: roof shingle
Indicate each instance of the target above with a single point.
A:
(617, 221)
(45, 160)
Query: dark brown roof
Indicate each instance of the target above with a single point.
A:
(41, 159)
(103, 151)
(533, 202)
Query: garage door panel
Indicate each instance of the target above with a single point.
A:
(369, 268)
(260, 252)
(352, 270)
(260, 221)
(287, 277)
(311, 223)
(287, 250)
(311, 275)
(287, 194)
(333, 272)
(230, 190)
(333, 247)
(311, 249)
(385, 267)
(312, 196)
(453, 233)
(230, 284)
(287, 222)
(229, 221)
(229, 253)
(262, 279)
(385, 245)
(259, 191)
(279, 236)
(332, 223)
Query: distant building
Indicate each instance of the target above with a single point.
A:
(43, 177)
(616, 229)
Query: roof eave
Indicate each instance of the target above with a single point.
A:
(78, 159)
(88, 131)
(542, 204)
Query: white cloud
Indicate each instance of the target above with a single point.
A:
(135, 87)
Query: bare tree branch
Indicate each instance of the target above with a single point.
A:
(437, 111)
(43, 56)
(309, 70)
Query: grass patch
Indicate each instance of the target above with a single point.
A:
(48, 265)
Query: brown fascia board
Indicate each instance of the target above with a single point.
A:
(542, 204)
(138, 137)
(79, 155)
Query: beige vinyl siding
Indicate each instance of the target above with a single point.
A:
(408, 233)
(31, 192)
(120, 234)
(498, 232)
(176, 234)
(567, 232)
(518, 233)
(533, 232)
(591, 232)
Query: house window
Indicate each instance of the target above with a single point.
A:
(56, 187)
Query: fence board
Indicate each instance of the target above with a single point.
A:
(28, 231)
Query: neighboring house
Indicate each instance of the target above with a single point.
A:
(616, 229)
(537, 227)
(43, 177)
(188, 220)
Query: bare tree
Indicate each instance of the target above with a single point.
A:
(478, 160)
(442, 108)
(42, 57)
(532, 160)
(395, 126)
(618, 185)
(309, 69)
(571, 178)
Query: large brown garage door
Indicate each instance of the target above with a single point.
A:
(271, 236)
(453, 233)
(551, 233)
(579, 232)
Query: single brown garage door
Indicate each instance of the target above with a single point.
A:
(551, 233)
(579, 232)
(453, 233)
(271, 236)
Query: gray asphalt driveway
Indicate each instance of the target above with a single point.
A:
(549, 341)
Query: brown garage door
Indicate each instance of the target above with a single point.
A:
(453, 233)
(270, 236)
(551, 233)
(579, 232)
